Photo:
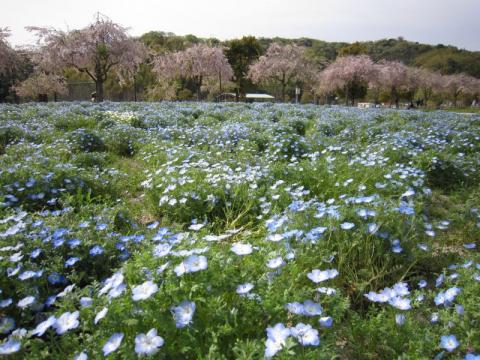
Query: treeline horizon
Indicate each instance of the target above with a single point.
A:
(146, 79)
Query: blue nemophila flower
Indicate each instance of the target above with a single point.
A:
(84, 224)
(74, 243)
(7, 324)
(295, 308)
(405, 209)
(30, 274)
(191, 264)
(244, 288)
(347, 225)
(459, 309)
(100, 315)
(196, 227)
(470, 246)
(96, 250)
(410, 192)
(86, 302)
(422, 247)
(112, 344)
(149, 343)
(50, 300)
(242, 249)
(35, 253)
(401, 289)
(101, 226)
(316, 233)
(161, 234)
(449, 342)
(26, 302)
(317, 275)
(311, 308)
(396, 247)
(116, 291)
(275, 237)
(434, 318)
(276, 338)
(58, 242)
(183, 313)
(153, 225)
(400, 319)
(326, 321)
(11, 346)
(305, 334)
(5, 303)
(422, 284)
(81, 356)
(66, 291)
(275, 263)
(71, 261)
(439, 281)
(144, 291)
(67, 321)
(472, 357)
(112, 282)
(44, 326)
(400, 303)
(326, 291)
(448, 297)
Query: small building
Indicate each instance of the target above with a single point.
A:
(259, 97)
(248, 97)
(365, 105)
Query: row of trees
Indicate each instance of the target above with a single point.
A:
(352, 76)
(103, 51)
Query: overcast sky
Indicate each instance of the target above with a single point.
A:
(455, 22)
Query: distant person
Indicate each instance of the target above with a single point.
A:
(93, 97)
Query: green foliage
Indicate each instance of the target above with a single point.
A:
(9, 135)
(318, 187)
(86, 141)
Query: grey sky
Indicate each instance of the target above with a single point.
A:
(455, 22)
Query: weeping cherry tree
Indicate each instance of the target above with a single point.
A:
(99, 50)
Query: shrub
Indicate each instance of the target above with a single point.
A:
(87, 141)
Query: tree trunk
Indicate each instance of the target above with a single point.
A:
(199, 88)
(284, 85)
(99, 89)
(42, 98)
(135, 88)
(55, 97)
(425, 97)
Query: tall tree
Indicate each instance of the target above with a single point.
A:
(194, 64)
(241, 53)
(349, 74)
(429, 82)
(283, 65)
(353, 50)
(7, 54)
(457, 85)
(99, 50)
(393, 77)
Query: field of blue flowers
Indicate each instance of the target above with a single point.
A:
(238, 231)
